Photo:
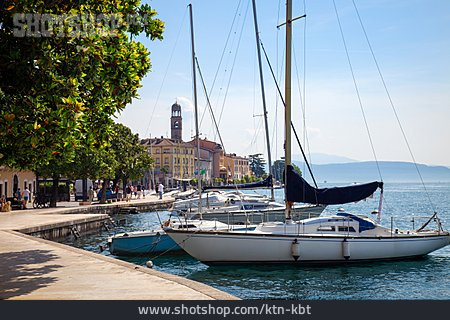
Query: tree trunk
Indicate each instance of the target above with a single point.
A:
(124, 188)
(103, 198)
(84, 189)
(54, 197)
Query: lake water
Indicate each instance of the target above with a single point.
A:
(426, 278)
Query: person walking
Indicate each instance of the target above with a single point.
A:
(26, 197)
(91, 194)
(128, 192)
(161, 190)
(18, 195)
(139, 190)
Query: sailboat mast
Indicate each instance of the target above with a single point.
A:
(287, 110)
(266, 125)
(197, 135)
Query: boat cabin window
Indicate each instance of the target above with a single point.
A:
(326, 228)
(346, 229)
(186, 226)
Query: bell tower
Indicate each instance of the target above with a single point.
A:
(176, 122)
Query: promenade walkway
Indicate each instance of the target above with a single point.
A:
(34, 268)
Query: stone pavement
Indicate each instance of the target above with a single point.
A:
(33, 268)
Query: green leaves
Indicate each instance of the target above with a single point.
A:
(60, 93)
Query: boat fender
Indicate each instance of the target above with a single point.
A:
(166, 223)
(295, 249)
(149, 264)
(346, 249)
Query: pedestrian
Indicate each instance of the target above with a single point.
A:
(139, 190)
(18, 195)
(161, 190)
(91, 194)
(143, 192)
(26, 197)
(135, 191)
(128, 191)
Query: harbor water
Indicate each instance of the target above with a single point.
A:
(424, 278)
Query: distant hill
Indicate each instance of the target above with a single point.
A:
(323, 158)
(367, 171)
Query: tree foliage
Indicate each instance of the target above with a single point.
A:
(257, 164)
(58, 94)
(132, 158)
(278, 169)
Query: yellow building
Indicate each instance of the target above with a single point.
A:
(174, 159)
(234, 167)
(11, 180)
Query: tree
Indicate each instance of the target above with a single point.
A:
(132, 158)
(278, 169)
(65, 90)
(257, 164)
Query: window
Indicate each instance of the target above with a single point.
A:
(346, 229)
(187, 226)
(158, 151)
(15, 183)
(157, 160)
(166, 150)
(326, 228)
(166, 160)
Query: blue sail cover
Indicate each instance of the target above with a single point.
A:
(298, 190)
(266, 183)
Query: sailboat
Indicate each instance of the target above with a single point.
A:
(343, 237)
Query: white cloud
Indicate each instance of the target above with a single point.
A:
(186, 104)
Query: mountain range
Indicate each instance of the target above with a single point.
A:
(362, 171)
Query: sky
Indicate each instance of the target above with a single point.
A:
(411, 42)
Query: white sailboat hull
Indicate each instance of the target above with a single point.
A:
(217, 248)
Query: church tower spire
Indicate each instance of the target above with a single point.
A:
(176, 122)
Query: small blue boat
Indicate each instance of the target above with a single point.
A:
(148, 242)
(142, 243)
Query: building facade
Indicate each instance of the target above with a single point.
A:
(219, 165)
(11, 180)
(211, 154)
(174, 160)
(241, 167)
